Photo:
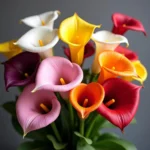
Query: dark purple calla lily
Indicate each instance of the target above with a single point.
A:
(127, 53)
(88, 51)
(123, 23)
(21, 69)
(120, 103)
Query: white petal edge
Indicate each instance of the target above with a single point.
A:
(30, 40)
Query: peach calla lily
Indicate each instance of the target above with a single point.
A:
(86, 98)
(39, 40)
(105, 40)
(44, 19)
(114, 64)
(9, 50)
(76, 33)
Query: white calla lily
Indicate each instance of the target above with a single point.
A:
(44, 19)
(39, 40)
(105, 40)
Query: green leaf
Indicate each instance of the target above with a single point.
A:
(10, 107)
(114, 144)
(56, 145)
(81, 146)
(34, 145)
(106, 136)
(87, 140)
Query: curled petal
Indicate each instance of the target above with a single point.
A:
(123, 23)
(114, 64)
(76, 33)
(132, 56)
(86, 98)
(51, 70)
(44, 19)
(21, 69)
(126, 96)
(29, 113)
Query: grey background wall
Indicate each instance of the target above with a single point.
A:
(94, 11)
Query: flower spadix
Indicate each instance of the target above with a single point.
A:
(58, 74)
(86, 98)
(123, 23)
(36, 110)
(76, 33)
(44, 19)
(39, 40)
(21, 69)
(114, 64)
(9, 50)
(105, 40)
(120, 103)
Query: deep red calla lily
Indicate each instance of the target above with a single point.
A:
(127, 53)
(123, 23)
(126, 96)
(21, 69)
(88, 51)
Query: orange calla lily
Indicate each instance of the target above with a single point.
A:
(9, 50)
(86, 98)
(140, 70)
(114, 64)
(76, 33)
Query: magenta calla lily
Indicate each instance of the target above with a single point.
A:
(127, 53)
(29, 113)
(21, 69)
(58, 74)
(120, 103)
(89, 50)
(123, 23)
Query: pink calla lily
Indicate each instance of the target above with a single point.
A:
(58, 74)
(29, 113)
(121, 101)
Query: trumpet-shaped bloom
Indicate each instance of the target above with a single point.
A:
(30, 114)
(86, 98)
(9, 50)
(39, 40)
(76, 33)
(125, 97)
(58, 74)
(88, 51)
(44, 19)
(21, 69)
(105, 40)
(114, 64)
(123, 23)
(132, 56)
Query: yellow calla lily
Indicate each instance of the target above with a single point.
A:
(141, 72)
(9, 50)
(76, 33)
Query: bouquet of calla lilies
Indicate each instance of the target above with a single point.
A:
(62, 105)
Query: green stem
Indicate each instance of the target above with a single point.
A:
(56, 132)
(71, 114)
(82, 127)
(88, 132)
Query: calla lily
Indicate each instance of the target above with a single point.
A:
(76, 33)
(39, 40)
(105, 40)
(58, 74)
(9, 50)
(88, 51)
(114, 64)
(21, 69)
(132, 56)
(36, 110)
(120, 103)
(141, 72)
(86, 98)
(123, 23)
(44, 19)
